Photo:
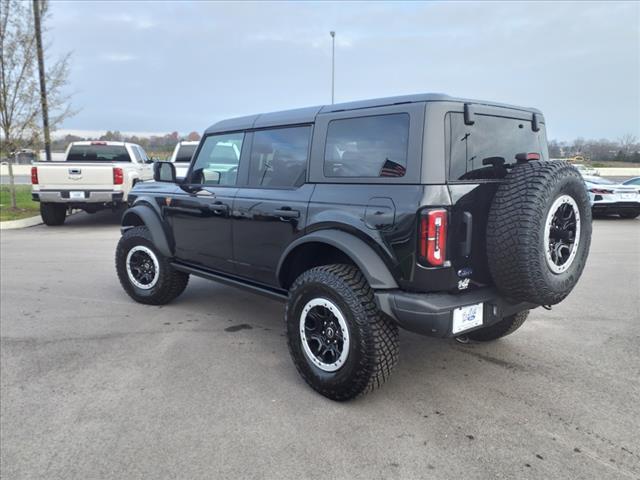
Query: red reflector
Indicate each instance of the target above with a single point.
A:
(98, 143)
(118, 176)
(34, 175)
(600, 191)
(525, 157)
(433, 237)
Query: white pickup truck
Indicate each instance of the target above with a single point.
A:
(95, 175)
(181, 156)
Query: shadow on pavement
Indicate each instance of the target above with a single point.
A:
(101, 218)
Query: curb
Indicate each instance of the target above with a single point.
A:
(22, 223)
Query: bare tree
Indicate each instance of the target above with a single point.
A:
(628, 142)
(19, 93)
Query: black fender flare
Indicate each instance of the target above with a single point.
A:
(151, 220)
(367, 260)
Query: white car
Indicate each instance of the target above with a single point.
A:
(181, 156)
(632, 182)
(609, 198)
(584, 170)
(94, 175)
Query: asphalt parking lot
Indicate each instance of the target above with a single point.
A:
(96, 386)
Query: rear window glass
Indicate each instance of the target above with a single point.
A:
(98, 153)
(185, 152)
(488, 148)
(373, 146)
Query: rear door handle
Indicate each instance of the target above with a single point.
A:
(286, 212)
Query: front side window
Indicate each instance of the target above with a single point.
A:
(185, 152)
(279, 157)
(136, 154)
(218, 159)
(488, 148)
(143, 154)
(373, 146)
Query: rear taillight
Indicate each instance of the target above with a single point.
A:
(600, 191)
(34, 175)
(526, 157)
(433, 237)
(118, 176)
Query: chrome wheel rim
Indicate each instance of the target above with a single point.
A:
(562, 234)
(324, 334)
(143, 269)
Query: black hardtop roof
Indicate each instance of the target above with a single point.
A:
(308, 114)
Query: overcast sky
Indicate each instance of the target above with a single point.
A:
(157, 67)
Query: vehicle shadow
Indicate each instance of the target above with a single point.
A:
(80, 219)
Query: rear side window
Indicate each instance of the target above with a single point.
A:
(218, 159)
(185, 152)
(279, 157)
(488, 148)
(98, 153)
(363, 147)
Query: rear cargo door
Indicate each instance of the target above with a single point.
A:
(480, 152)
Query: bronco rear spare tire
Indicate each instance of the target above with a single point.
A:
(539, 232)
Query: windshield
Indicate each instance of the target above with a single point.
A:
(488, 148)
(598, 181)
(185, 152)
(98, 153)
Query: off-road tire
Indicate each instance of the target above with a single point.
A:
(373, 350)
(515, 231)
(171, 282)
(504, 327)
(629, 215)
(53, 214)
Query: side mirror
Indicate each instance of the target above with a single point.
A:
(164, 172)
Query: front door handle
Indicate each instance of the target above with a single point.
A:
(218, 207)
(287, 212)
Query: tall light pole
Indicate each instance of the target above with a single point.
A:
(43, 86)
(333, 64)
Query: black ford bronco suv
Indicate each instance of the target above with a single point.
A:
(438, 215)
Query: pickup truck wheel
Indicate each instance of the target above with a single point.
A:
(53, 213)
(504, 327)
(340, 343)
(539, 232)
(145, 274)
(629, 215)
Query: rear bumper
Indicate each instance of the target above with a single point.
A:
(90, 196)
(615, 207)
(432, 313)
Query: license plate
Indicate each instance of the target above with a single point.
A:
(465, 318)
(76, 195)
(628, 196)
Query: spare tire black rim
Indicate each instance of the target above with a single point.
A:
(562, 234)
(324, 334)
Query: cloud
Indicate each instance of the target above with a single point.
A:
(118, 57)
(141, 23)
(579, 62)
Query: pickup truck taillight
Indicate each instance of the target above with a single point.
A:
(34, 175)
(118, 176)
(433, 237)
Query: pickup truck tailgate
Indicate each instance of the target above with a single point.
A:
(84, 176)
